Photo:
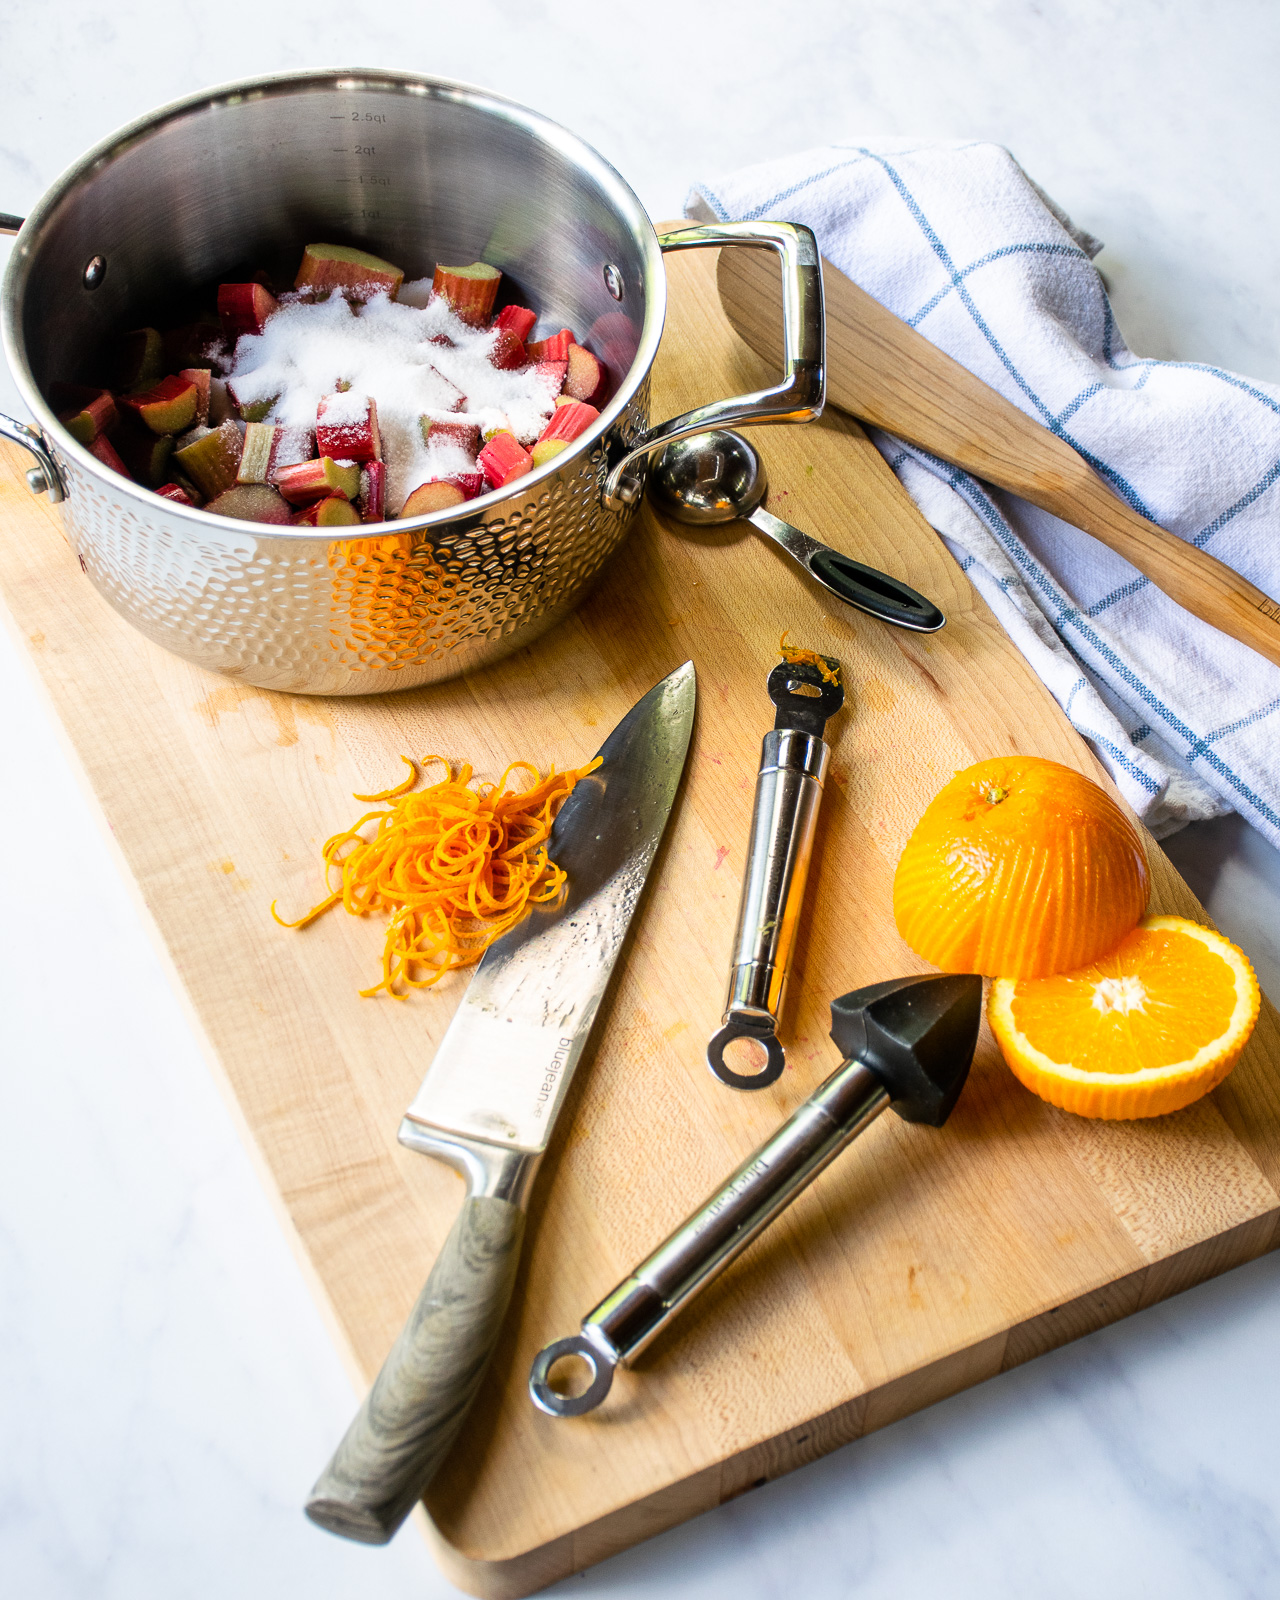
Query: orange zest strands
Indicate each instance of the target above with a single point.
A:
(451, 866)
(828, 666)
(398, 789)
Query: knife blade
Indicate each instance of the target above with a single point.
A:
(488, 1105)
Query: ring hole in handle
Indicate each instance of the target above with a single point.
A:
(745, 1058)
(570, 1377)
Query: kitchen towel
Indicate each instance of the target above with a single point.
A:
(958, 242)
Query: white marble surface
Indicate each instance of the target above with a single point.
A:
(168, 1391)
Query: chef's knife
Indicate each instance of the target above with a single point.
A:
(488, 1104)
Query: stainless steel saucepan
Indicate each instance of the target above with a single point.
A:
(419, 170)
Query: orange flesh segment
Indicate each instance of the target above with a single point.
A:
(1129, 1010)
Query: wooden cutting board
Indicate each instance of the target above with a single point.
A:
(922, 1262)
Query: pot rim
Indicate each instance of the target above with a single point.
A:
(284, 83)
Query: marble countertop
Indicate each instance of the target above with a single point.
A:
(169, 1390)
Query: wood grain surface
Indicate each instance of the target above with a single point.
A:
(921, 1262)
(881, 370)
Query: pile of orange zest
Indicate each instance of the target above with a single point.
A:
(451, 866)
(828, 666)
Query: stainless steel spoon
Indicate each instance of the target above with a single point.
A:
(718, 477)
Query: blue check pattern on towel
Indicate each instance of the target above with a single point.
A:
(956, 240)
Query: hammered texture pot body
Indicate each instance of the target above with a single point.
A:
(419, 171)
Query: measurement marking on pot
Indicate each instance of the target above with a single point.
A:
(368, 116)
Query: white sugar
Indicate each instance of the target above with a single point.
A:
(383, 350)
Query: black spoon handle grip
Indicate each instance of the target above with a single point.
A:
(874, 592)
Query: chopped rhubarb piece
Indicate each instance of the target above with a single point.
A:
(106, 452)
(169, 407)
(249, 410)
(587, 379)
(517, 320)
(179, 480)
(373, 492)
(503, 459)
(567, 422)
(176, 493)
(436, 495)
(258, 456)
(244, 308)
(470, 290)
(554, 374)
(211, 460)
(451, 430)
(251, 502)
(140, 361)
(220, 406)
(202, 377)
(443, 340)
(547, 449)
(315, 480)
(556, 348)
(333, 512)
(195, 344)
(508, 351)
(293, 446)
(471, 483)
(347, 428)
(357, 273)
(92, 418)
(146, 454)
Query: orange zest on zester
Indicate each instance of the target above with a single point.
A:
(828, 666)
(451, 866)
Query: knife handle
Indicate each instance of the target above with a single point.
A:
(420, 1398)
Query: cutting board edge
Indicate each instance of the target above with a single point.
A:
(514, 1577)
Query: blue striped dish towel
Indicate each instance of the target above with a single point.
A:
(958, 241)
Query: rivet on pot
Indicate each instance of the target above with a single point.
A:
(613, 280)
(95, 271)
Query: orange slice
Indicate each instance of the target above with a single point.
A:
(1146, 1029)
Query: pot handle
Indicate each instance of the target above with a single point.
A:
(800, 395)
(44, 477)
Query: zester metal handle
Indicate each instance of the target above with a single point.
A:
(802, 392)
(788, 791)
(742, 1207)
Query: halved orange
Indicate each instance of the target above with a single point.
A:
(1146, 1029)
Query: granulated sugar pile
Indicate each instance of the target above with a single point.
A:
(414, 360)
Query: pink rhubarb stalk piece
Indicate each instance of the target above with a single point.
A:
(146, 454)
(347, 432)
(470, 290)
(244, 308)
(106, 452)
(450, 430)
(569, 421)
(547, 450)
(310, 481)
(258, 456)
(516, 319)
(441, 494)
(503, 459)
(252, 502)
(508, 352)
(356, 273)
(212, 460)
(169, 407)
(249, 410)
(556, 348)
(202, 377)
(553, 374)
(335, 511)
(89, 415)
(176, 493)
(587, 379)
(373, 492)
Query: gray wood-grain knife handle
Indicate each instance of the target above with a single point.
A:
(418, 1401)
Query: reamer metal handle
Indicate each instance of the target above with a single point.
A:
(766, 1183)
(793, 765)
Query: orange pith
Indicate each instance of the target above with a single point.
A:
(1148, 1028)
(1019, 867)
